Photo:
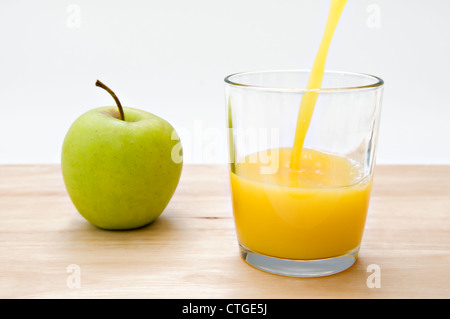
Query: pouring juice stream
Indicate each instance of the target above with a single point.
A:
(315, 82)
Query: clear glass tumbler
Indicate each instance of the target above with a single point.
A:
(307, 219)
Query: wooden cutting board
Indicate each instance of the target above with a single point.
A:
(47, 250)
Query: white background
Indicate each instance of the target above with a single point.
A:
(170, 58)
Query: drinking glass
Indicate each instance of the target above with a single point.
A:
(306, 220)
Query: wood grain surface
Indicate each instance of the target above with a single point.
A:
(191, 251)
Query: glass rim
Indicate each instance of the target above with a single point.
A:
(378, 82)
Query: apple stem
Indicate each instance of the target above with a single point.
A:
(119, 106)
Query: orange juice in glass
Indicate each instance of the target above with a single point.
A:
(305, 219)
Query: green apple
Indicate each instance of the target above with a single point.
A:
(121, 166)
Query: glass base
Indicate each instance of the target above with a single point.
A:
(299, 268)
